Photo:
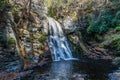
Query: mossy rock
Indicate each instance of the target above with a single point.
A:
(41, 46)
(116, 47)
(12, 41)
(116, 61)
(113, 44)
(42, 37)
(75, 46)
(1, 38)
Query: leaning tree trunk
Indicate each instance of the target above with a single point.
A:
(16, 35)
(82, 45)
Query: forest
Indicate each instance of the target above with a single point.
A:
(59, 39)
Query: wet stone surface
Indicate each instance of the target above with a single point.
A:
(10, 63)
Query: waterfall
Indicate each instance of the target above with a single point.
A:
(58, 43)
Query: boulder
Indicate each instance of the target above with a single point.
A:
(116, 61)
(77, 77)
(69, 25)
(114, 76)
(12, 66)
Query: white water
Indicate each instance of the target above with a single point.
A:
(58, 43)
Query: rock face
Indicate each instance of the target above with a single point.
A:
(30, 20)
(10, 63)
(37, 7)
(30, 26)
(9, 54)
(13, 66)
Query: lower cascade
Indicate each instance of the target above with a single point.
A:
(58, 43)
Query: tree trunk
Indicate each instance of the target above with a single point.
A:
(82, 45)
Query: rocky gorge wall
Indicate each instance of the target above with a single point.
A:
(27, 19)
(29, 23)
(26, 26)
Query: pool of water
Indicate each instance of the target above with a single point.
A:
(74, 70)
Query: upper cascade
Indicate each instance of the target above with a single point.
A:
(58, 43)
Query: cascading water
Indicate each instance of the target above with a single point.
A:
(58, 43)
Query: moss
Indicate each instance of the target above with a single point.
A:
(75, 46)
(100, 26)
(41, 52)
(116, 47)
(52, 12)
(48, 3)
(70, 37)
(4, 5)
(116, 19)
(12, 41)
(61, 8)
(41, 46)
(113, 44)
(1, 38)
(42, 37)
(117, 28)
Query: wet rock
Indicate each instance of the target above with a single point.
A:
(30, 65)
(11, 66)
(107, 57)
(114, 76)
(47, 49)
(47, 55)
(36, 58)
(99, 56)
(42, 77)
(45, 25)
(10, 63)
(77, 77)
(13, 75)
(116, 61)
(75, 39)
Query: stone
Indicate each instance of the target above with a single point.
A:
(25, 32)
(19, 2)
(14, 75)
(45, 25)
(69, 25)
(107, 57)
(116, 61)
(77, 77)
(11, 66)
(114, 76)
(36, 58)
(47, 49)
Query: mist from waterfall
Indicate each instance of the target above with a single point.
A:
(58, 43)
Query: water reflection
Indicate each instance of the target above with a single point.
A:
(61, 70)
